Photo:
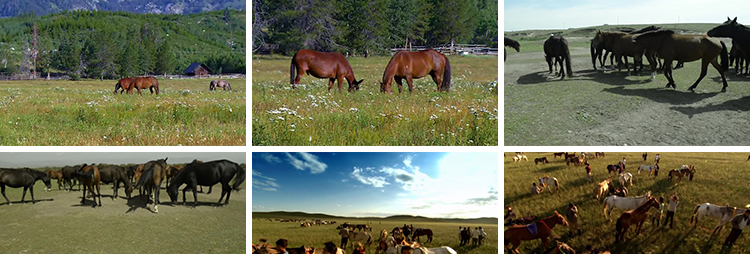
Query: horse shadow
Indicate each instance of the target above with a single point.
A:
(551, 169)
(661, 95)
(135, 202)
(709, 244)
(612, 78)
(189, 204)
(526, 195)
(661, 186)
(25, 202)
(673, 245)
(534, 78)
(741, 104)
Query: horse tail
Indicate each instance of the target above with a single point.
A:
(292, 69)
(723, 57)
(239, 179)
(567, 60)
(117, 86)
(147, 174)
(694, 213)
(446, 76)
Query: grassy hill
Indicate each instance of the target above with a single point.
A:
(409, 218)
(720, 179)
(532, 35)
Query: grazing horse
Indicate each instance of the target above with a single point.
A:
(68, 179)
(24, 177)
(207, 174)
(623, 203)
(557, 47)
(149, 83)
(90, 177)
(411, 65)
(637, 217)
(547, 182)
(124, 84)
(215, 84)
(602, 188)
(722, 213)
(686, 48)
(598, 154)
(684, 170)
(362, 237)
(150, 181)
(542, 160)
(558, 154)
(56, 174)
(513, 44)
(650, 168)
(171, 172)
(626, 178)
(422, 250)
(332, 66)
(613, 168)
(423, 231)
(515, 234)
(116, 175)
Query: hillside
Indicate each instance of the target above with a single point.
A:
(533, 35)
(286, 215)
(44, 7)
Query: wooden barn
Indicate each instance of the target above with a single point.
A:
(198, 70)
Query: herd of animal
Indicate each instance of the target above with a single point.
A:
(146, 177)
(404, 65)
(152, 84)
(655, 43)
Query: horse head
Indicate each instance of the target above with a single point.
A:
(355, 85)
(559, 219)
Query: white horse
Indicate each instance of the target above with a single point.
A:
(362, 237)
(623, 203)
(646, 167)
(519, 157)
(548, 182)
(722, 213)
(626, 178)
(422, 250)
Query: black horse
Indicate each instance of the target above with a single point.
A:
(207, 174)
(513, 44)
(739, 33)
(116, 174)
(556, 47)
(24, 177)
(67, 179)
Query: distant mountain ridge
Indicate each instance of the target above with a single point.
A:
(44, 7)
(285, 215)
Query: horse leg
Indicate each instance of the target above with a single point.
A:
(341, 79)
(83, 198)
(99, 193)
(24, 194)
(183, 196)
(31, 190)
(330, 84)
(209, 189)
(2, 188)
(549, 63)
(400, 83)
(723, 78)
(410, 82)
(668, 73)
(195, 196)
(704, 70)
(437, 80)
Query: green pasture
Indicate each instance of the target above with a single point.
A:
(465, 116)
(87, 113)
(720, 179)
(445, 234)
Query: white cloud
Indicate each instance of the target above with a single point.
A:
(263, 182)
(270, 158)
(307, 161)
(361, 175)
(407, 161)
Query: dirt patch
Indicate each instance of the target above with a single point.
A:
(614, 108)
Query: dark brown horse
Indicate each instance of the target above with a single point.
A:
(149, 83)
(89, 177)
(171, 172)
(423, 231)
(686, 48)
(116, 175)
(125, 84)
(621, 45)
(414, 65)
(513, 44)
(636, 216)
(556, 47)
(542, 160)
(150, 181)
(24, 177)
(56, 174)
(215, 84)
(68, 180)
(558, 154)
(612, 168)
(515, 234)
(739, 33)
(332, 66)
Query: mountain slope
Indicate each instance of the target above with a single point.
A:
(44, 7)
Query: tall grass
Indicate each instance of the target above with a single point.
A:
(64, 113)
(720, 179)
(467, 115)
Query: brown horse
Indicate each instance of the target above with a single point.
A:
(332, 66)
(150, 181)
(612, 168)
(125, 84)
(684, 170)
(515, 234)
(89, 177)
(558, 154)
(215, 84)
(621, 45)
(56, 174)
(686, 48)
(422, 231)
(636, 216)
(171, 172)
(149, 83)
(411, 65)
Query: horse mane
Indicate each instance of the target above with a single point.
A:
(240, 177)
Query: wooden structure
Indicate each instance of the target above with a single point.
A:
(198, 70)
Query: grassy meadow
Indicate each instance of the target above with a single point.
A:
(466, 116)
(86, 113)
(57, 223)
(445, 234)
(720, 179)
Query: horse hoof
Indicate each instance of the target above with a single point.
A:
(723, 90)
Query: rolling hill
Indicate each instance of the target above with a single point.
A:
(286, 215)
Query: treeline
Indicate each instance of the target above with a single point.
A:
(117, 44)
(370, 26)
(14, 8)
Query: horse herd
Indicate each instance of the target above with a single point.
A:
(656, 43)
(404, 65)
(146, 177)
(152, 84)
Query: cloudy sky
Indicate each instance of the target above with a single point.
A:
(564, 14)
(438, 185)
(12, 160)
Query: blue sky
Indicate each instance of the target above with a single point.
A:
(564, 14)
(439, 185)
